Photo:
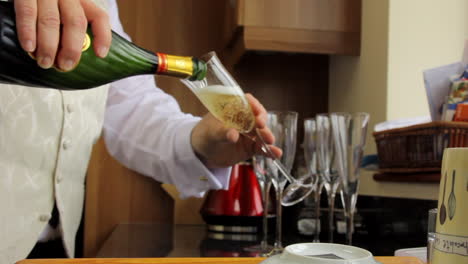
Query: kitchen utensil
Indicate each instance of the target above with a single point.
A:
(452, 201)
(443, 210)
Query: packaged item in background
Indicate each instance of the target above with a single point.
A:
(438, 82)
(446, 81)
(461, 114)
(448, 111)
(458, 90)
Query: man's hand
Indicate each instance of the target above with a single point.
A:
(55, 30)
(218, 146)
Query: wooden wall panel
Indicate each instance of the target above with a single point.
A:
(282, 81)
(114, 195)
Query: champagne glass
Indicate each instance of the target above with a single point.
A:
(326, 166)
(298, 190)
(349, 137)
(224, 98)
(283, 125)
(310, 146)
(260, 168)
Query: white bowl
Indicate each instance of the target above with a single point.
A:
(309, 253)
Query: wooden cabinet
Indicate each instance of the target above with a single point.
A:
(310, 26)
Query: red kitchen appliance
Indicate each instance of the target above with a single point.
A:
(238, 209)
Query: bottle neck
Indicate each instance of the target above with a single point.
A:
(180, 66)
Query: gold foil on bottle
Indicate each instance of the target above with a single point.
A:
(86, 43)
(180, 66)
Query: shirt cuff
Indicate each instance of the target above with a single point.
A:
(201, 179)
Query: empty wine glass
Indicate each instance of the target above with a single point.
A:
(310, 146)
(326, 166)
(283, 125)
(224, 98)
(264, 180)
(349, 137)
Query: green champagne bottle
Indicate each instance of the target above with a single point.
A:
(124, 59)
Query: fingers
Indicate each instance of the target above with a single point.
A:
(232, 135)
(218, 132)
(266, 135)
(100, 25)
(73, 33)
(48, 32)
(264, 132)
(269, 139)
(277, 152)
(26, 17)
(258, 110)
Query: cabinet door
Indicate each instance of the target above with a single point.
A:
(316, 26)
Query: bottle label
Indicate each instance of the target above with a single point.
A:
(86, 43)
(175, 65)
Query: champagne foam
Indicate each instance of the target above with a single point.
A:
(221, 89)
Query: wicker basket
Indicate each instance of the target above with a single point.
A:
(418, 148)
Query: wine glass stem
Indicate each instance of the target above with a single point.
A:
(349, 228)
(266, 198)
(317, 193)
(266, 150)
(331, 213)
(279, 194)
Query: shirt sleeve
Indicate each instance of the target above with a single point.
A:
(145, 129)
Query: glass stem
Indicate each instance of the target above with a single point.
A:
(266, 198)
(331, 213)
(349, 208)
(349, 227)
(279, 194)
(266, 150)
(318, 191)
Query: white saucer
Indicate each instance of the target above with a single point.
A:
(321, 253)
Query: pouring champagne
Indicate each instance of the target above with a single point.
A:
(224, 98)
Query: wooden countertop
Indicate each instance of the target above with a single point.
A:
(384, 260)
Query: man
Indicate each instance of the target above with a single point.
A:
(46, 135)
